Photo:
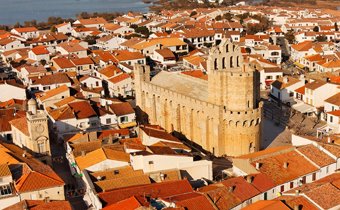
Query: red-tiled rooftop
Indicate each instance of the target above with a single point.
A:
(156, 190)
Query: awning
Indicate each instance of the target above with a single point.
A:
(127, 125)
(299, 65)
(304, 108)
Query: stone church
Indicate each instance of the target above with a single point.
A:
(222, 114)
(31, 132)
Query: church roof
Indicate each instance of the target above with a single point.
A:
(182, 84)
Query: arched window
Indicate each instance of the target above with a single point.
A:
(223, 63)
(215, 64)
(231, 62)
(227, 48)
(238, 61)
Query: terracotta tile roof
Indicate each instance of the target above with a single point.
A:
(35, 69)
(267, 205)
(115, 173)
(40, 205)
(82, 61)
(54, 92)
(293, 201)
(119, 78)
(66, 101)
(34, 181)
(221, 196)
(327, 196)
(274, 168)
(241, 188)
(92, 21)
(100, 155)
(315, 85)
(166, 53)
(82, 109)
(63, 62)
(121, 109)
(106, 133)
(127, 204)
(165, 42)
(71, 47)
(4, 170)
(7, 115)
(156, 190)
(110, 71)
(112, 184)
(21, 125)
(195, 201)
(26, 29)
(261, 182)
(270, 151)
(159, 133)
(40, 50)
(196, 73)
(303, 46)
(52, 79)
(86, 147)
(301, 90)
(279, 84)
(125, 55)
(133, 41)
(335, 113)
(335, 99)
(316, 155)
(334, 149)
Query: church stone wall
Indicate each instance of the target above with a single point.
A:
(229, 124)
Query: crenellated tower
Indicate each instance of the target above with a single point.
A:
(235, 86)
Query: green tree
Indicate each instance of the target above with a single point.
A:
(290, 36)
(143, 30)
(321, 38)
(218, 18)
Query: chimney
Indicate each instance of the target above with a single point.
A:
(47, 199)
(249, 179)
(285, 165)
(297, 192)
(162, 176)
(297, 207)
(257, 166)
(231, 188)
(110, 141)
(285, 79)
(83, 153)
(329, 140)
(99, 178)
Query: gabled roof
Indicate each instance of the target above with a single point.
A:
(40, 205)
(40, 50)
(335, 99)
(121, 109)
(21, 125)
(119, 78)
(34, 181)
(26, 29)
(155, 190)
(127, 204)
(53, 92)
(315, 85)
(110, 71)
(316, 155)
(267, 205)
(100, 155)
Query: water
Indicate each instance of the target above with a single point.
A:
(12, 11)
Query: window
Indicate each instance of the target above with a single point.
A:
(108, 121)
(123, 119)
(282, 188)
(291, 185)
(41, 147)
(150, 162)
(330, 118)
(327, 169)
(314, 176)
(5, 190)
